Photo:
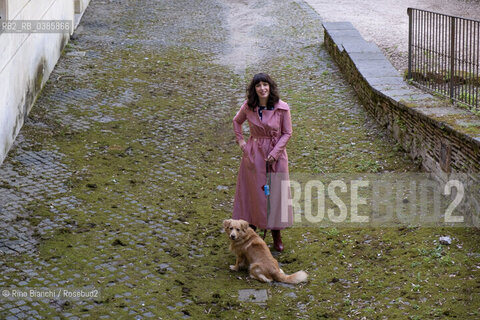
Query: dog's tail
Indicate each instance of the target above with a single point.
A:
(297, 277)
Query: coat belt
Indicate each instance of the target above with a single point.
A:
(273, 142)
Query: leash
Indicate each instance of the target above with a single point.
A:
(266, 189)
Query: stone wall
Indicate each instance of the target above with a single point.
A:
(407, 112)
(425, 126)
(27, 59)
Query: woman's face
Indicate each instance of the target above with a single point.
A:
(263, 89)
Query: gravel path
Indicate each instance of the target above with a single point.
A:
(385, 22)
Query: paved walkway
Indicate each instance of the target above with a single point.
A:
(121, 177)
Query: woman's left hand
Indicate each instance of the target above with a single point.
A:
(270, 159)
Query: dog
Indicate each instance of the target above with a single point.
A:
(252, 252)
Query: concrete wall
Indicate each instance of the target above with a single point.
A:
(27, 59)
(79, 7)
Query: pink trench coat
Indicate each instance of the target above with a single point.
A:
(268, 136)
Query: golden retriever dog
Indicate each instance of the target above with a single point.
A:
(252, 252)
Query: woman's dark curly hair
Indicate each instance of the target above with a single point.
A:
(252, 97)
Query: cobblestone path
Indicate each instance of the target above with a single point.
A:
(126, 167)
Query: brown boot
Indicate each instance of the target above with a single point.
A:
(277, 240)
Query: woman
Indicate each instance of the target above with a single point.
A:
(270, 129)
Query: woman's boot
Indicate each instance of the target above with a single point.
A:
(253, 227)
(277, 240)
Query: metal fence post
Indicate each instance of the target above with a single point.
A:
(409, 12)
(452, 56)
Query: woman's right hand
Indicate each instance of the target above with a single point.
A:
(242, 144)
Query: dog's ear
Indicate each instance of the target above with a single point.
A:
(226, 223)
(244, 225)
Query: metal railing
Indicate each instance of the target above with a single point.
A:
(443, 55)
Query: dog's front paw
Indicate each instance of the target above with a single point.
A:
(233, 268)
